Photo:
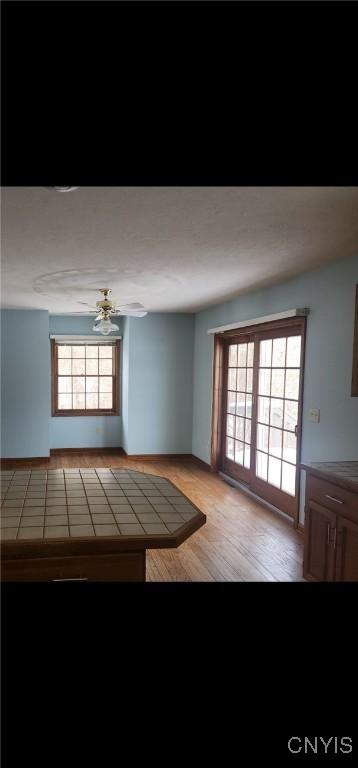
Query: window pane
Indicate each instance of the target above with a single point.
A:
(276, 416)
(78, 367)
(64, 367)
(105, 350)
(91, 351)
(278, 352)
(240, 429)
(91, 400)
(78, 351)
(262, 438)
(261, 465)
(265, 353)
(78, 384)
(249, 380)
(231, 382)
(242, 355)
(264, 410)
(289, 446)
(92, 384)
(79, 400)
(241, 379)
(229, 425)
(91, 367)
(230, 448)
(291, 415)
(275, 442)
(64, 384)
(239, 452)
(105, 400)
(64, 402)
(250, 354)
(248, 406)
(247, 457)
(64, 350)
(105, 367)
(240, 404)
(105, 384)
(231, 402)
(233, 355)
(264, 381)
(292, 383)
(293, 351)
(277, 382)
(274, 471)
(288, 478)
(247, 431)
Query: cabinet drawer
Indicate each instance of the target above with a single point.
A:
(331, 496)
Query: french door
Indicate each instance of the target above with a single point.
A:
(262, 377)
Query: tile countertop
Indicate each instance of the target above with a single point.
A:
(341, 473)
(93, 510)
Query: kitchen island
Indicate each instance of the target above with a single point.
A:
(89, 524)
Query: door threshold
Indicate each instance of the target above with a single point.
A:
(243, 487)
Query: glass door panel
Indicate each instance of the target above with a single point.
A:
(278, 392)
(238, 408)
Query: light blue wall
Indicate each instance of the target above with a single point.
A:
(329, 293)
(82, 431)
(25, 383)
(157, 386)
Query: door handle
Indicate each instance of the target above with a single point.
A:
(329, 529)
(328, 533)
(332, 498)
(75, 578)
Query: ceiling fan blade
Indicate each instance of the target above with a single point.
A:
(134, 305)
(134, 313)
(85, 312)
(85, 304)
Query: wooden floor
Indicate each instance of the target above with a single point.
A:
(241, 541)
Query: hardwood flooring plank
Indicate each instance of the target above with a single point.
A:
(241, 541)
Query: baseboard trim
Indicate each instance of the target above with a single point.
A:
(202, 464)
(65, 451)
(32, 459)
(156, 456)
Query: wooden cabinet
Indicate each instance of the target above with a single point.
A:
(331, 532)
(347, 550)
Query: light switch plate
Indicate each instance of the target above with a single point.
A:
(315, 415)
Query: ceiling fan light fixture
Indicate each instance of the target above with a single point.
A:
(105, 326)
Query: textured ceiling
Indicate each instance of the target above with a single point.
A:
(170, 248)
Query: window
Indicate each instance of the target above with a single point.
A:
(85, 378)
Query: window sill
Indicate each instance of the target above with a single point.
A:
(85, 413)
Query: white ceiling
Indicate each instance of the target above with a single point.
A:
(170, 248)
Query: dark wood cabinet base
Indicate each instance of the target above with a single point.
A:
(331, 526)
(125, 566)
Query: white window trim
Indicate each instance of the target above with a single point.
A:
(257, 320)
(88, 339)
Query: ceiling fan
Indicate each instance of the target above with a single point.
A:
(105, 309)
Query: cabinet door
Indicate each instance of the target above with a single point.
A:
(347, 550)
(319, 553)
